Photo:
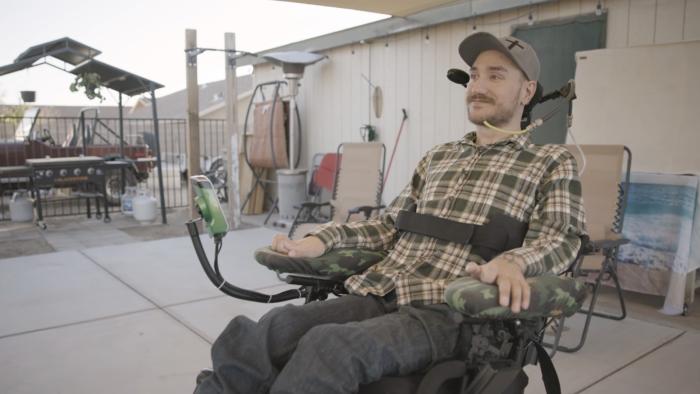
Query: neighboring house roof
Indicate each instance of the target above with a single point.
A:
(174, 105)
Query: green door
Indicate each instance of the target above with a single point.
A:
(556, 44)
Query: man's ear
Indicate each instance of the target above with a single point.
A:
(527, 92)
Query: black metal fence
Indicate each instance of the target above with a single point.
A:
(22, 138)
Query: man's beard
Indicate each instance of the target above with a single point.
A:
(502, 115)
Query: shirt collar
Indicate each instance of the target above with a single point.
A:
(518, 141)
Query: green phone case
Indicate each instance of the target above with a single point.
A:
(209, 207)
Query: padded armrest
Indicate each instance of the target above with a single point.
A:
(550, 296)
(337, 264)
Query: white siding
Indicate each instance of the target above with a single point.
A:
(410, 68)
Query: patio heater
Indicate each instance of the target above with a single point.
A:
(291, 190)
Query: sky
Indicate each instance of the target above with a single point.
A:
(147, 38)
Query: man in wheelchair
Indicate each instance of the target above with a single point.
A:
(490, 208)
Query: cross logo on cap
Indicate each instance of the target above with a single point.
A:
(514, 43)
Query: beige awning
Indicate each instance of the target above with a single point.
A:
(389, 7)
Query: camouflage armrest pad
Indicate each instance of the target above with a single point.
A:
(550, 296)
(337, 264)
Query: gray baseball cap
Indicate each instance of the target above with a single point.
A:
(517, 50)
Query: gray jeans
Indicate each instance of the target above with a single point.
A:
(329, 347)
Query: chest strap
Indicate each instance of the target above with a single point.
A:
(499, 234)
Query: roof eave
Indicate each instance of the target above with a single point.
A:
(392, 25)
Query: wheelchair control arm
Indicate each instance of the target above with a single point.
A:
(215, 222)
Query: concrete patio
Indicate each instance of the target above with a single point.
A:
(110, 309)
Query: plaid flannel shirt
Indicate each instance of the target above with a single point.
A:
(468, 183)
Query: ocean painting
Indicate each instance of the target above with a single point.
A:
(662, 210)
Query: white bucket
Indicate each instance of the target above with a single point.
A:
(20, 207)
(291, 191)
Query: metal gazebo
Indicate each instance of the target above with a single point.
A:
(73, 53)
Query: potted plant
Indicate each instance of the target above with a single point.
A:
(90, 83)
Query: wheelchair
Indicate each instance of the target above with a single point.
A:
(501, 343)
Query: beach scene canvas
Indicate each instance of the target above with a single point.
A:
(659, 220)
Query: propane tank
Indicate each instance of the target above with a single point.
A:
(144, 206)
(21, 207)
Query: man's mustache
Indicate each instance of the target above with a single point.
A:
(480, 98)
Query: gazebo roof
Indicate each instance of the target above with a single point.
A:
(117, 79)
(82, 56)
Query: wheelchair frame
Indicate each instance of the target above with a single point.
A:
(486, 368)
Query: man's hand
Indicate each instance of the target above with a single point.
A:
(306, 247)
(513, 290)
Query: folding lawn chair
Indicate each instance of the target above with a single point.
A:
(357, 187)
(605, 186)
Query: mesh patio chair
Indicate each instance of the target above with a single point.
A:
(357, 189)
(605, 186)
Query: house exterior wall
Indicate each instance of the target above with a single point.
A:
(410, 68)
